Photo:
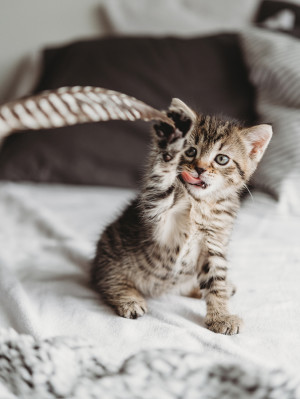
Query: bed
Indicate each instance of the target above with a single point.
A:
(59, 189)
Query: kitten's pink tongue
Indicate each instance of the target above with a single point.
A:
(190, 179)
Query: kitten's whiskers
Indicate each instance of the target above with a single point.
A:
(246, 187)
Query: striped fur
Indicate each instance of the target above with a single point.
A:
(174, 235)
(72, 105)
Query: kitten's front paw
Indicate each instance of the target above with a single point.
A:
(224, 324)
(132, 309)
(167, 133)
(182, 122)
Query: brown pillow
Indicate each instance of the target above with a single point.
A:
(208, 73)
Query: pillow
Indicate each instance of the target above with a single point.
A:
(208, 73)
(279, 15)
(184, 17)
(273, 60)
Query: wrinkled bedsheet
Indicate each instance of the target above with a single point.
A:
(48, 235)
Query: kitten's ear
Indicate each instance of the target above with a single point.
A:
(257, 139)
(179, 107)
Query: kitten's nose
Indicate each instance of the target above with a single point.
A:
(200, 170)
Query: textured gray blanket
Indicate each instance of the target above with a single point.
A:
(73, 368)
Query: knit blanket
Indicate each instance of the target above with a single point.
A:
(66, 367)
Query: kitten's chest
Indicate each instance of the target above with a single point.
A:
(177, 254)
(187, 243)
(180, 234)
(189, 253)
(174, 225)
(192, 245)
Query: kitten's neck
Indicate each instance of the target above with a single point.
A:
(213, 199)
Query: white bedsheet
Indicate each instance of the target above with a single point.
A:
(48, 235)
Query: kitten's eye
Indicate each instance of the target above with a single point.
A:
(222, 159)
(191, 152)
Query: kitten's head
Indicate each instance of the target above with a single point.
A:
(220, 155)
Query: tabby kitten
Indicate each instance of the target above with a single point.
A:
(174, 235)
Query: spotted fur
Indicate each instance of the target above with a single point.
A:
(174, 235)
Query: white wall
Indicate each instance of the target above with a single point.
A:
(28, 25)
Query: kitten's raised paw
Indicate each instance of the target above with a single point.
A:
(182, 121)
(224, 324)
(167, 134)
(132, 309)
(165, 131)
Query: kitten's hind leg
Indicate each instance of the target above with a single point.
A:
(195, 292)
(127, 301)
(231, 288)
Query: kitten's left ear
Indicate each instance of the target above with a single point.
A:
(257, 139)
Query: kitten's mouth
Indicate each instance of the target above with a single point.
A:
(194, 181)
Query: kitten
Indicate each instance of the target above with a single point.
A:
(174, 235)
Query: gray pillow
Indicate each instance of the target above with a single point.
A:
(274, 64)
